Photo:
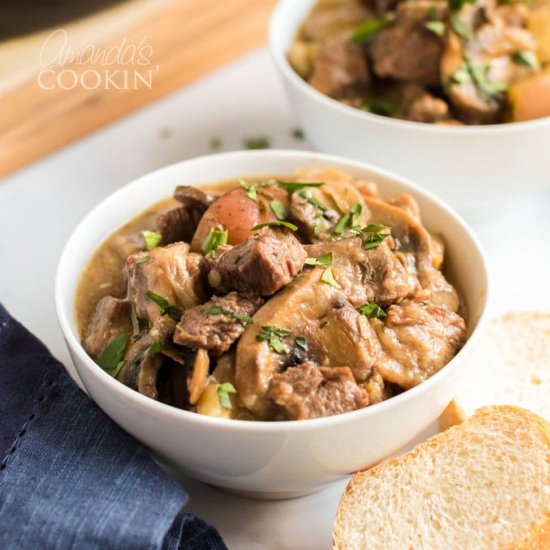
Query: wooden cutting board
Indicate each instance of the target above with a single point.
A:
(46, 104)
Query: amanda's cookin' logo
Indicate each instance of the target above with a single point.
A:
(123, 66)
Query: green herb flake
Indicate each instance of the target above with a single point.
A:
(374, 240)
(216, 143)
(223, 392)
(310, 199)
(460, 27)
(278, 209)
(384, 107)
(298, 133)
(324, 260)
(301, 342)
(293, 186)
(324, 324)
(142, 259)
(480, 77)
(365, 31)
(526, 57)
(351, 219)
(372, 311)
(110, 359)
(165, 307)
(214, 240)
(217, 310)
(328, 277)
(437, 27)
(258, 142)
(155, 347)
(274, 337)
(317, 228)
(276, 223)
(461, 76)
(151, 238)
(250, 190)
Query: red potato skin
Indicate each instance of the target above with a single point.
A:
(238, 213)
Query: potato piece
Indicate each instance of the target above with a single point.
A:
(238, 213)
(530, 98)
(538, 23)
(209, 402)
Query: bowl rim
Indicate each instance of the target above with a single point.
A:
(64, 304)
(279, 18)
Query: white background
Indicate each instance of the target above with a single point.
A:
(39, 207)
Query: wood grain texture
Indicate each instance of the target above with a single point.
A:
(188, 40)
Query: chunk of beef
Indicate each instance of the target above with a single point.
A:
(112, 318)
(340, 69)
(381, 6)
(180, 224)
(417, 340)
(307, 391)
(374, 275)
(172, 272)
(218, 323)
(262, 265)
(406, 50)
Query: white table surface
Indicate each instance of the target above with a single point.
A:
(40, 206)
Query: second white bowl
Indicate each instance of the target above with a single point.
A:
(466, 165)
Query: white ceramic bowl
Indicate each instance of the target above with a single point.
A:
(466, 166)
(276, 459)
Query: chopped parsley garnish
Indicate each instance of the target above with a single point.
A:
(317, 228)
(374, 240)
(324, 324)
(526, 57)
(155, 347)
(214, 240)
(216, 143)
(365, 31)
(151, 238)
(165, 307)
(372, 311)
(250, 190)
(384, 107)
(142, 259)
(279, 209)
(460, 27)
(274, 337)
(480, 77)
(324, 260)
(258, 142)
(217, 310)
(437, 27)
(328, 277)
(351, 219)
(223, 392)
(301, 342)
(110, 359)
(457, 5)
(298, 133)
(293, 186)
(461, 76)
(307, 196)
(276, 223)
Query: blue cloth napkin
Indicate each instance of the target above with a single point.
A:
(69, 476)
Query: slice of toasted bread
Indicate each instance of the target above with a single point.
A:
(511, 366)
(484, 484)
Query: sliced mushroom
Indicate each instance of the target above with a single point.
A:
(412, 237)
(141, 367)
(198, 379)
(374, 275)
(333, 331)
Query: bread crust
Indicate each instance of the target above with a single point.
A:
(538, 537)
